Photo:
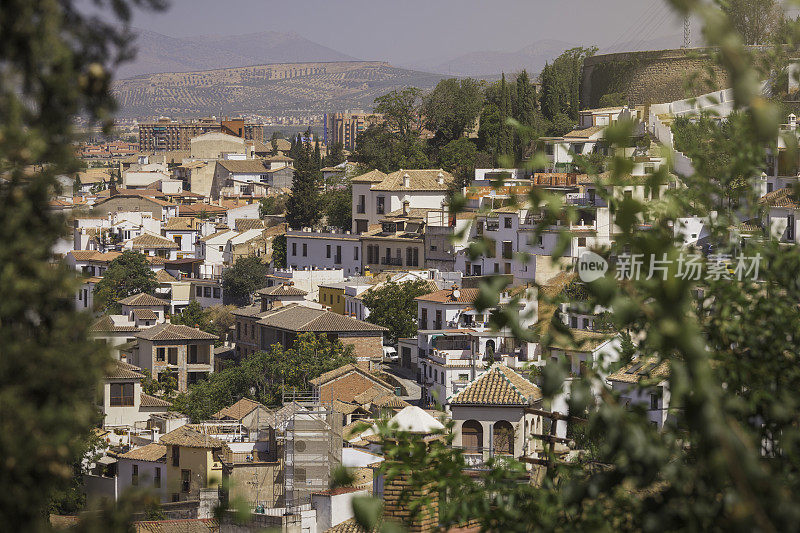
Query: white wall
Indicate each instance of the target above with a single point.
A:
(316, 248)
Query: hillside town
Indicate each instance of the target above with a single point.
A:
(561, 299)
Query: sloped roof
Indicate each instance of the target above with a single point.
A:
(584, 133)
(373, 176)
(343, 371)
(296, 317)
(500, 385)
(144, 314)
(198, 208)
(415, 420)
(144, 300)
(162, 276)
(148, 240)
(238, 410)
(180, 223)
(281, 290)
(584, 341)
(279, 158)
(246, 166)
(174, 332)
(465, 296)
(152, 452)
(190, 438)
(638, 370)
(419, 180)
(122, 370)
(780, 198)
(391, 401)
(183, 525)
(244, 224)
(153, 401)
(105, 324)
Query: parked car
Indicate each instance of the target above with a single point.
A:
(390, 354)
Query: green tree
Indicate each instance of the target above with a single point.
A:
(561, 83)
(126, 275)
(335, 155)
(244, 278)
(192, 315)
(279, 251)
(53, 56)
(303, 205)
(451, 109)
(265, 376)
(505, 137)
(392, 306)
(379, 148)
(754, 20)
(400, 108)
(272, 205)
(339, 207)
(274, 142)
(459, 157)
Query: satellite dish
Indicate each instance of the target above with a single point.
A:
(456, 294)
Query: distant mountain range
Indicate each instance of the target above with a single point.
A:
(159, 53)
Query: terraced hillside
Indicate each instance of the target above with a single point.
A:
(285, 88)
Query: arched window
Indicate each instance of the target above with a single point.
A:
(503, 433)
(472, 436)
(490, 349)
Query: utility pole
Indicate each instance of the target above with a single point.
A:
(686, 32)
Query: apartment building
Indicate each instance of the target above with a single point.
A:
(344, 128)
(167, 134)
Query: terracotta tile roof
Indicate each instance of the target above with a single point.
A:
(246, 166)
(244, 224)
(348, 526)
(780, 198)
(151, 452)
(343, 371)
(143, 299)
(174, 332)
(498, 386)
(584, 133)
(198, 208)
(144, 314)
(640, 370)
(582, 340)
(122, 370)
(279, 158)
(153, 401)
(180, 223)
(190, 438)
(465, 296)
(162, 276)
(105, 324)
(148, 241)
(391, 401)
(370, 394)
(296, 317)
(187, 525)
(83, 255)
(238, 410)
(344, 407)
(373, 176)
(419, 180)
(281, 290)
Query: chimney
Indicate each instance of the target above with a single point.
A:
(406, 180)
(440, 178)
(405, 208)
(792, 122)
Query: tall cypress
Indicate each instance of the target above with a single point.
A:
(303, 206)
(505, 139)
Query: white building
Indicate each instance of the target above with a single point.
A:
(314, 249)
(653, 398)
(124, 403)
(307, 280)
(376, 194)
(144, 468)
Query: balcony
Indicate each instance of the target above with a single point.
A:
(395, 261)
(361, 209)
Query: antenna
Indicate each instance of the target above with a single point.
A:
(686, 32)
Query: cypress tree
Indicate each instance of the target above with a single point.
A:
(505, 140)
(303, 206)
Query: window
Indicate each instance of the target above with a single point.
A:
(135, 475)
(416, 257)
(654, 193)
(409, 256)
(463, 377)
(653, 401)
(327, 251)
(172, 355)
(186, 478)
(294, 248)
(573, 322)
(338, 257)
(581, 241)
(423, 321)
(176, 456)
(207, 292)
(192, 354)
(198, 291)
(790, 227)
(496, 268)
(160, 352)
(381, 205)
(627, 195)
(221, 248)
(122, 394)
(507, 251)
(355, 254)
(305, 250)
(507, 222)
(157, 478)
(438, 323)
(217, 293)
(442, 378)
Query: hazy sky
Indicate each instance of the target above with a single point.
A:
(404, 31)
